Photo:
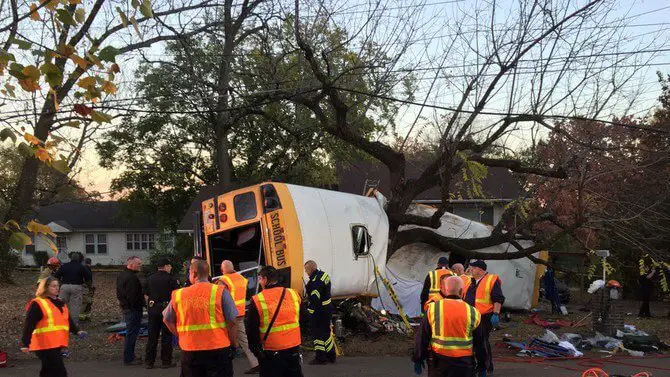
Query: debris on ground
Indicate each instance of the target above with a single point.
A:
(359, 318)
(557, 324)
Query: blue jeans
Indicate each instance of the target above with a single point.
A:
(133, 320)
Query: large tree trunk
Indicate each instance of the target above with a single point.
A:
(223, 160)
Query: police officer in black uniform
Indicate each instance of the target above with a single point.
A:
(159, 290)
(320, 311)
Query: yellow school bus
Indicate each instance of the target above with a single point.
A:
(284, 225)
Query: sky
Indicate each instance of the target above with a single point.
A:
(641, 47)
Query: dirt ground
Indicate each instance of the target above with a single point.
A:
(105, 310)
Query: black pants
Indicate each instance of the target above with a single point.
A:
(440, 366)
(52, 363)
(645, 311)
(324, 344)
(157, 328)
(281, 364)
(482, 346)
(214, 363)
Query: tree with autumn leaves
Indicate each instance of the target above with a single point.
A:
(58, 69)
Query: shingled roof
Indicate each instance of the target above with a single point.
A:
(105, 215)
(498, 185)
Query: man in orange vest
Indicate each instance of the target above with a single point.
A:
(273, 327)
(484, 291)
(237, 284)
(431, 284)
(203, 317)
(459, 270)
(446, 336)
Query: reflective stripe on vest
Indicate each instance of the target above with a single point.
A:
(201, 325)
(452, 323)
(435, 277)
(483, 301)
(285, 332)
(237, 286)
(52, 331)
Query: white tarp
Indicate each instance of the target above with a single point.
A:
(408, 267)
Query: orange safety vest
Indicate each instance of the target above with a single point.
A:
(435, 277)
(432, 298)
(483, 301)
(53, 330)
(201, 325)
(452, 323)
(237, 286)
(466, 282)
(285, 332)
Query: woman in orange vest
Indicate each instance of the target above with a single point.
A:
(273, 327)
(47, 327)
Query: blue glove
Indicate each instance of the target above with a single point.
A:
(82, 334)
(418, 367)
(495, 320)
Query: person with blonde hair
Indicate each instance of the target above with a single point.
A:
(47, 327)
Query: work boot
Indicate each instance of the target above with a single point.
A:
(150, 366)
(166, 366)
(134, 362)
(317, 362)
(254, 370)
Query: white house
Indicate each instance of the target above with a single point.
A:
(99, 230)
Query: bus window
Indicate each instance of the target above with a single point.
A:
(245, 206)
(361, 240)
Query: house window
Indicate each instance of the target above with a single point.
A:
(361, 241)
(140, 241)
(61, 242)
(95, 243)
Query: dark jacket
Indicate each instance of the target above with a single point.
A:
(318, 291)
(159, 291)
(129, 290)
(73, 272)
(34, 315)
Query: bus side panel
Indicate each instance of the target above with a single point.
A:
(286, 246)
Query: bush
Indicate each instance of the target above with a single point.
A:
(182, 252)
(9, 259)
(41, 258)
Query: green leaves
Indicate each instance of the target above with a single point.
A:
(146, 9)
(108, 54)
(18, 240)
(7, 133)
(61, 166)
(65, 17)
(80, 15)
(21, 44)
(100, 117)
(52, 74)
(124, 18)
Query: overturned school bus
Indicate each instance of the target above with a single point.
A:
(284, 226)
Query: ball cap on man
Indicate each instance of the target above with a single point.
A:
(479, 263)
(443, 261)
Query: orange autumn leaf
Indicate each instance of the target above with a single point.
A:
(42, 154)
(29, 85)
(31, 139)
(51, 4)
(34, 15)
(109, 88)
(81, 62)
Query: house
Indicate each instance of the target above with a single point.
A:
(499, 188)
(100, 231)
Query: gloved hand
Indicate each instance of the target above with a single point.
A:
(82, 334)
(495, 320)
(419, 367)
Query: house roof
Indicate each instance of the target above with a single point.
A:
(499, 183)
(93, 215)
